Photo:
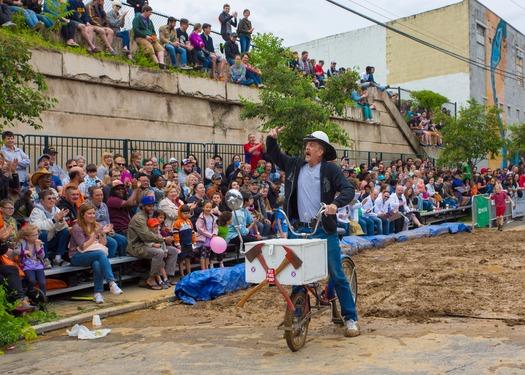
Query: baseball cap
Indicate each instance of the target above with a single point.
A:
(218, 165)
(234, 35)
(483, 170)
(153, 222)
(216, 176)
(42, 157)
(172, 160)
(148, 199)
(333, 62)
(49, 150)
(186, 161)
(276, 181)
(253, 181)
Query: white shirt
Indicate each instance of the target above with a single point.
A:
(382, 207)
(368, 205)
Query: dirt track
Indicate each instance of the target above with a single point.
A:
(427, 306)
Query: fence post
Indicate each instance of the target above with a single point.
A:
(399, 98)
(125, 149)
(46, 141)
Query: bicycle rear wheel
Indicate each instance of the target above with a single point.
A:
(296, 335)
(351, 275)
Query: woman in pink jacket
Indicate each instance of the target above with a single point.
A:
(198, 46)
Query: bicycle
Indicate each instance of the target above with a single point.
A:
(296, 321)
(299, 309)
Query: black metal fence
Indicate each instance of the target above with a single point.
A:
(92, 148)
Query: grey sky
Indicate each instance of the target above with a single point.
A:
(304, 20)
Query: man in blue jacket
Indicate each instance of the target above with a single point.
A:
(310, 181)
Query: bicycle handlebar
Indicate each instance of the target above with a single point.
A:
(318, 217)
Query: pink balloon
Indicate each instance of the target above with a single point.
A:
(218, 245)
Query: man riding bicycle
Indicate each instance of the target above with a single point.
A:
(310, 181)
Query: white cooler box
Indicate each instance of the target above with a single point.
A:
(313, 253)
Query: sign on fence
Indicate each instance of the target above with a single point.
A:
(519, 208)
(481, 211)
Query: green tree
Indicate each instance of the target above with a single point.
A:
(290, 100)
(472, 137)
(516, 141)
(22, 97)
(429, 99)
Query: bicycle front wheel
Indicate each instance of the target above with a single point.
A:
(295, 321)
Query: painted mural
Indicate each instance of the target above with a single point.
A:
(497, 33)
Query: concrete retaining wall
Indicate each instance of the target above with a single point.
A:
(101, 98)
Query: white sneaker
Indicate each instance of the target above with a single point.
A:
(115, 289)
(98, 298)
(351, 328)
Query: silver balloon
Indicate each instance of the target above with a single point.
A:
(234, 199)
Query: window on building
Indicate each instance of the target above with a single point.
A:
(509, 113)
(480, 33)
(519, 65)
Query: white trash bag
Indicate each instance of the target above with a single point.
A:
(83, 333)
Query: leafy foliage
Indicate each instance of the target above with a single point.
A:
(11, 327)
(291, 101)
(22, 97)
(516, 141)
(473, 136)
(57, 13)
(429, 99)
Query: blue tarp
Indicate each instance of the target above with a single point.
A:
(437, 230)
(412, 234)
(210, 284)
(454, 228)
(351, 245)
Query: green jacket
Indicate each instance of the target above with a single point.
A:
(139, 235)
(140, 29)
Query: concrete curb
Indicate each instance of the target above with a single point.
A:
(104, 313)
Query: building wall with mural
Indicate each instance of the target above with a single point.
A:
(500, 46)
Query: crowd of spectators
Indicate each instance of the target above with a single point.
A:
(187, 50)
(94, 212)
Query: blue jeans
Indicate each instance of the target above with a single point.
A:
(59, 242)
(335, 268)
(368, 84)
(124, 35)
(32, 277)
(378, 224)
(256, 78)
(206, 61)
(173, 51)
(116, 245)
(101, 267)
(345, 226)
(367, 225)
(45, 20)
(245, 43)
(246, 82)
(388, 226)
(29, 15)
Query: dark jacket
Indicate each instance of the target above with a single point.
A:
(332, 180)
(231, 49)
(244, 28)
(12, 182)
(227, 21)
(71, 217)
(140, 29)
(79, 12)
(137, 5)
